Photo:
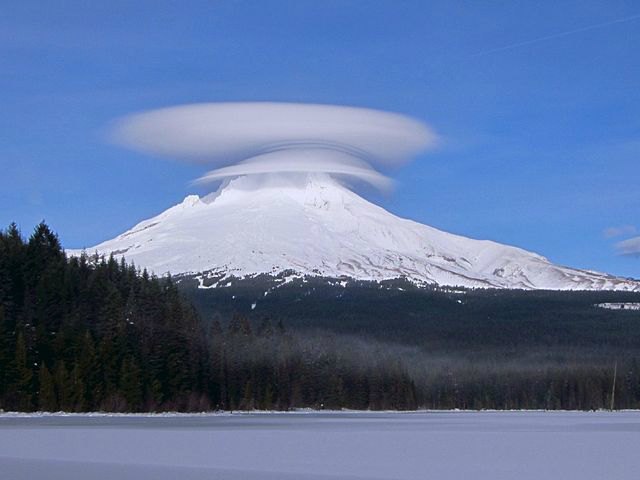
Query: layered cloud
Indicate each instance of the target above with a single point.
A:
(253, 138)
(302, 160)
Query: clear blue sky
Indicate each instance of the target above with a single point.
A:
(539, 112)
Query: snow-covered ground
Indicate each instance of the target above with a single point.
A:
(425, 445)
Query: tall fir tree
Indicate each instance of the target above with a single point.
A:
(47, 401)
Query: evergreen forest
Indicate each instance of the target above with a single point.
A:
(95, 334)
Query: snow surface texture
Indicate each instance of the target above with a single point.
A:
(310, 224)
(307, 446)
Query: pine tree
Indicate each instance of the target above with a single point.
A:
(12, 251)
(89, 372)
(63, 387)
(239, 327)
(130, 384)
(216, 363)
(265, 329)
(23, 386)
(5, 354)
(46, 396)
(77, 394)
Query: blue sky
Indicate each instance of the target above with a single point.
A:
(539, 113)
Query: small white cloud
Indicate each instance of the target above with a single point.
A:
(612, 232)
(629, 247)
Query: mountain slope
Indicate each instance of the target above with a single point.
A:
(312, 225)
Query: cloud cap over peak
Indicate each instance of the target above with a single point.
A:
(344, 140)
(302, 160)
(229, 132)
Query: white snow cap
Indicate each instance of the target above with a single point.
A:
(265, 137)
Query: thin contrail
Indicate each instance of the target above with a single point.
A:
(557, 35)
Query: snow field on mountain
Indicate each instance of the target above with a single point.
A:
(313, 225)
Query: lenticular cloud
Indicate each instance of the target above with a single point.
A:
(256, 138)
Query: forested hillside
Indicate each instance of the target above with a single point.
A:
(462, 348)
(434, 318)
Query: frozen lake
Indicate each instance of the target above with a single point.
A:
(426, 445)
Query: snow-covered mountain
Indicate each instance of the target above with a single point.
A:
(309, 224)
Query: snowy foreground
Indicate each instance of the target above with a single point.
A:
(425, 445)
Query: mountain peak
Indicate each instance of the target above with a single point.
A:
(190, 200)
(282, 183)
